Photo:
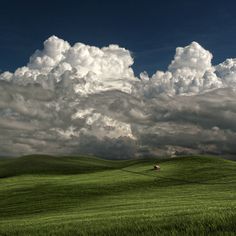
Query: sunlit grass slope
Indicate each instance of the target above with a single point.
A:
(44, 195)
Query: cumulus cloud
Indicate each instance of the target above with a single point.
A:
(189, 73)
(84, 99)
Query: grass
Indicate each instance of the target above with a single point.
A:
(44, 195)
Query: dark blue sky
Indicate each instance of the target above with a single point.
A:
(150, 29)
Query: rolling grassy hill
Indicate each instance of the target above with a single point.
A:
(45, 195)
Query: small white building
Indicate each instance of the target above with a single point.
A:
(157, 168)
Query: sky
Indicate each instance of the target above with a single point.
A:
(117, 79)
(151, 30)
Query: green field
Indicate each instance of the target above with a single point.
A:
(43, 195)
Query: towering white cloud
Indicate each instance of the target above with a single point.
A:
(52, 54)
(193, 58)
(190, 72)
(80, 98)
(227, 72)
